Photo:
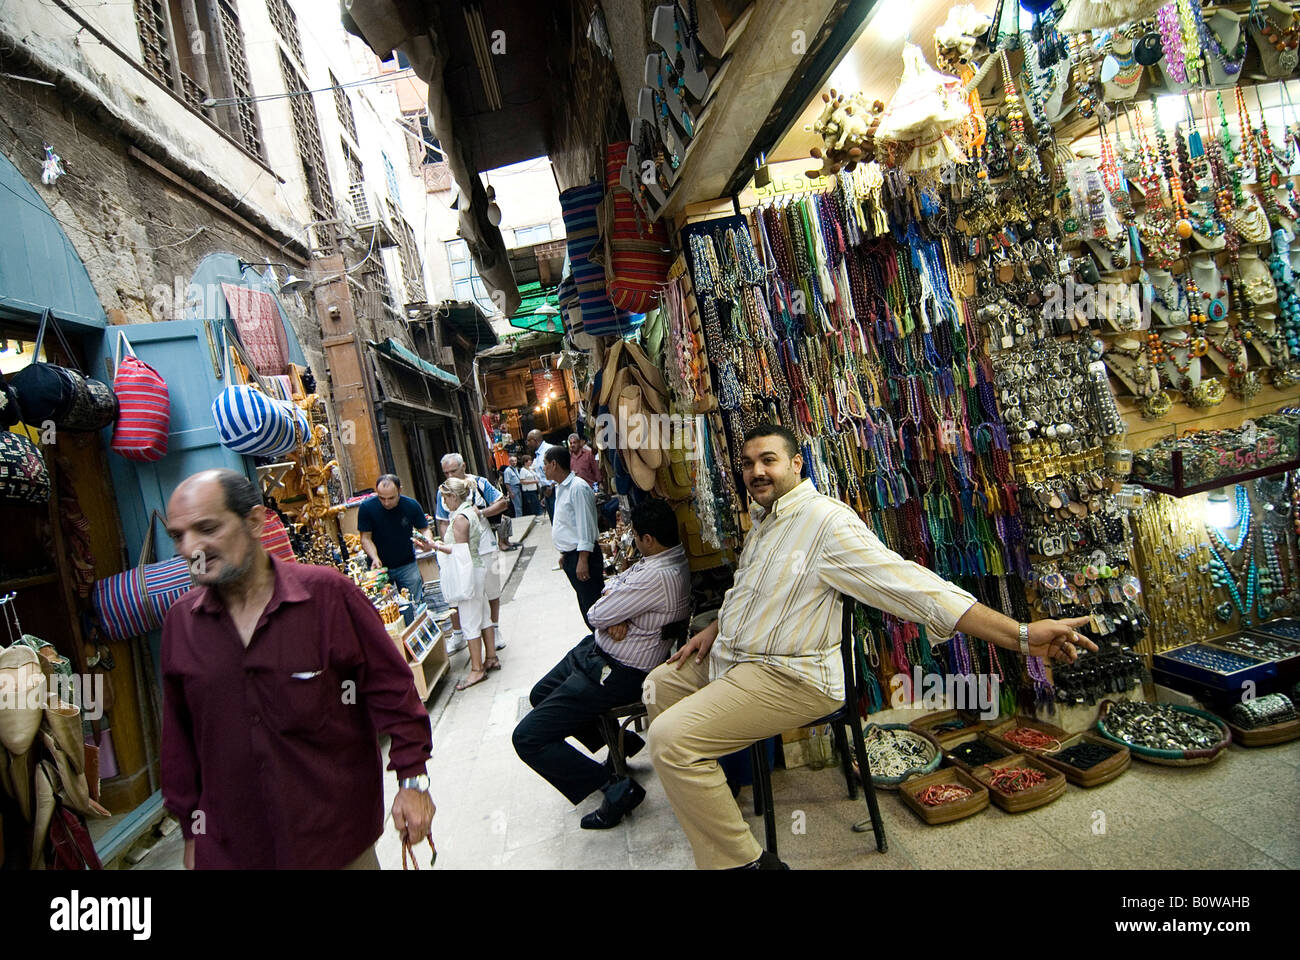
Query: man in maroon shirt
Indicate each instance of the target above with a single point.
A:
(582, 460)
(277, 679)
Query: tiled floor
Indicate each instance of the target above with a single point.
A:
(494, 812)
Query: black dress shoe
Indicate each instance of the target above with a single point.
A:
(766, 861)
(620, 796)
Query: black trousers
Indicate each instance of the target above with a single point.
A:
(566, 703)
(588, 592)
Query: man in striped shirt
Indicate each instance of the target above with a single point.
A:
(771, 660)
(607, 670)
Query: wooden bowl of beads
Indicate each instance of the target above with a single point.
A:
(1049, 788)
(934, 814)
(947, 726)
(980, 740)
(1102, 771)
(1039, 739)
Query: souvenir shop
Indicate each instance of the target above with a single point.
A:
(99, 421)
(1030, 303)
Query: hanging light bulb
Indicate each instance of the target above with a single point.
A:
(1220, 511)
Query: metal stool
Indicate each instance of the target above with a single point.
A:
(846, 715)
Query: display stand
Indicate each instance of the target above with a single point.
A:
(424, 647)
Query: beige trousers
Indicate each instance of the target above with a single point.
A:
(367, 861)
(694, 722)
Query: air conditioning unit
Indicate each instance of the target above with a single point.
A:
(369, 213)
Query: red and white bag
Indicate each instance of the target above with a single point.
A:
(145, 407)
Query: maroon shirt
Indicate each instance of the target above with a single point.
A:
(270, 742)
(583, 463)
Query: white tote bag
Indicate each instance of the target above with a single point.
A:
(456, 574)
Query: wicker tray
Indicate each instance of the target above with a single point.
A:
(892, 783)
(984, 737)
(1002, 727)
(1030, 799)
(1103, 772)
(1269, 736)
(948, 812)
(928, 723)
(1170, 758)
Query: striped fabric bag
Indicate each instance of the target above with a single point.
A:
(578, 205)
(131, 603)
(252, 423)
(638, 251)
(275, 538)
(145, 418)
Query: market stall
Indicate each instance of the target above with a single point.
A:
(1031, 311)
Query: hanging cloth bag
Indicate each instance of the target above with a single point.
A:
(252, 423)
(132, 603)
(145, 418)
(24, 477)
(637, 250)
(64, 397)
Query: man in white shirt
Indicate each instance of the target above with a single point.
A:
(547, 492)
(771, 660)
(574, 530)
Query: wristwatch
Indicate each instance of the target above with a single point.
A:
(420, 783)
(1024, 639)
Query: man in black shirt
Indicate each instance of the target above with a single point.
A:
(386, 522)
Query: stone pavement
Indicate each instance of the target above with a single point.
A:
(494, 812)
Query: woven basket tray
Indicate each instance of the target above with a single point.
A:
(1030, 799)
(981, 735)
(1103, 772)
(1170, 758)
(1269, 736)
(930, 721)
(1003, 727)
(892, 783)
(947, 812)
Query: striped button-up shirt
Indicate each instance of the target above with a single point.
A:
(649, 595)
(785, 607)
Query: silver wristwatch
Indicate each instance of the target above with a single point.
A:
(420, 783)
(1024, 639)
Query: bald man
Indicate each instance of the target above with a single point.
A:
(277, 680)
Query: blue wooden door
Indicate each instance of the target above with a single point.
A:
(182, 352)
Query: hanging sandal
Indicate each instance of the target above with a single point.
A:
(467, 683)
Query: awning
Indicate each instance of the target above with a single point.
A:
(408, 389)
(532, 298)
(469, 321)
(395, 351)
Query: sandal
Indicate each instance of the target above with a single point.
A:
(467, 683)
(492, 663)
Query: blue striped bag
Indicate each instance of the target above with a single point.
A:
(252, 423)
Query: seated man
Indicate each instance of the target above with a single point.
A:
(606, 670)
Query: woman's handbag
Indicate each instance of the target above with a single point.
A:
(66, 398)
(252, 423)
(145, 417)
(24, 476)
(456, 574)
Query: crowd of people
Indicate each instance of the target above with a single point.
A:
(266, 766)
